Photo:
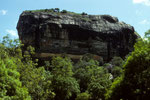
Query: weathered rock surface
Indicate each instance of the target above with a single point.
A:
(76, 34)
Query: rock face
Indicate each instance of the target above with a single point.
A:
(76, 34)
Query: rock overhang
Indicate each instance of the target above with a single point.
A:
(102, 35)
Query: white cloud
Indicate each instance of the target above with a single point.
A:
(145, 2)
(3, 12)
(144, 22)
(12, 33)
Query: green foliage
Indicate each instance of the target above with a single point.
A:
(83, 13)
(56, 82)
(100, 81)
(114, 92)
(83, 73)
(135, 80)
(147, 35)
(83, 96)
(117, 71)
(63, 83)
(115, 66)
(117, 61)
(37, 80)
(10, 85)
(58, 12)
(62, 66)
(11, 47)
(23, 76)
(65, 87)
(92, 78)
(64, 11)
(56, 9)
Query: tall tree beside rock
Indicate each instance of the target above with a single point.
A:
(92, 78)
(134, 83)
(64, 85)
(11, 87)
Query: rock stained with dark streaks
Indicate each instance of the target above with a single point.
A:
(76, 34)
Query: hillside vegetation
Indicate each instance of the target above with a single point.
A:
(21, 78)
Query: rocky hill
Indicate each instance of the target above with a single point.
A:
(54, 33)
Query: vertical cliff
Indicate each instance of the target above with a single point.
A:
(75, 34)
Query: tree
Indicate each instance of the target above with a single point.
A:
(83, 13)
(117, 61)
(147, 35)
(116, 72)
(100, 81)
(83, 72)
(12, 47)
(37, 80)
(83, 96)
(23, 72)
(62, 66)
(92, 78)
(134, 83)
(117, 67)
(56, 9)
(10, 86)
(115, 91)
(64, 11)
(63, 83)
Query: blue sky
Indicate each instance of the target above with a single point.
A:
(133, 12)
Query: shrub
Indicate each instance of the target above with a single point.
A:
(83, 96)
(64, 11)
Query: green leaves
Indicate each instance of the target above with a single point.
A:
(65, 87)
(10, 85)
(63, 83)
(92, 78)
(99, 82)
(147, 35)
(83, 96)
(19, 77)
(134, 82)
(37, 80)
(62, 66)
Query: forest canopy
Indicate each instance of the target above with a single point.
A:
(21, 78)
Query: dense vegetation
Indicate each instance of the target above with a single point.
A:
(21, 78)
(57, 12)
(134, 83)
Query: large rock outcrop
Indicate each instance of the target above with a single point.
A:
(75, 34)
